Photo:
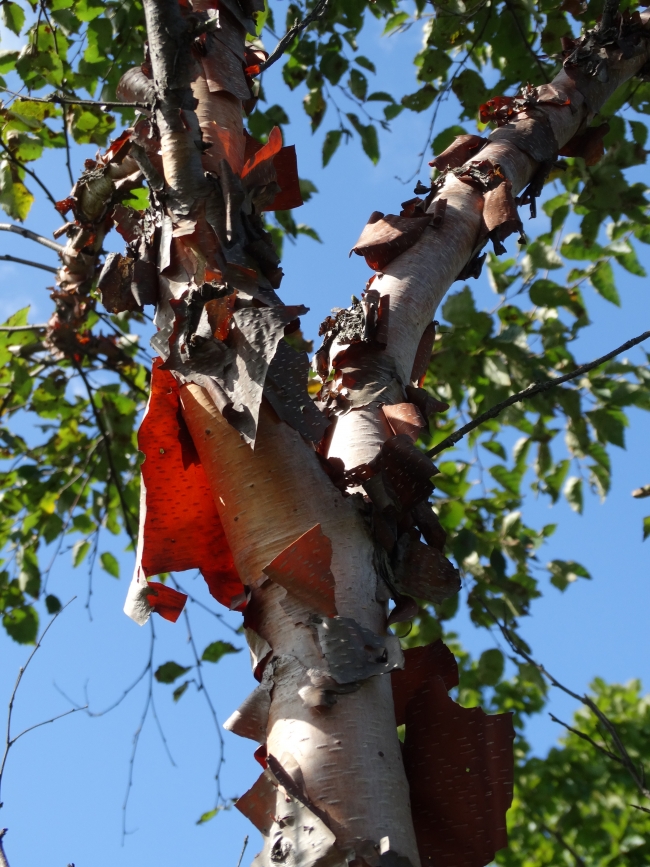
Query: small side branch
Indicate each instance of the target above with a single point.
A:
(58, 99)
(3, 857)
(27, 233)
(7, 257)
(9, 740)
(317, 13)
(531, 391)
(40, 327)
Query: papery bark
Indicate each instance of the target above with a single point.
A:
(347, 754)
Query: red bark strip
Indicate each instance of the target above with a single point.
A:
(303, 569)
(386, 236)
(181, 528)
(463, 148)
(459, 765)
(404, 418)
(165, 600)
(422, 664)
(423, 354)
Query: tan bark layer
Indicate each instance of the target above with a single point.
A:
(349, 754)
(418, 280)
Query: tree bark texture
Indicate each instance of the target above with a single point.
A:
(333, 762)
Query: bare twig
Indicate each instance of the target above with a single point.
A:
(9, 740)
(569, 848)
(67, 147)
(40, 327)
(30, 172)
(3, 857)
(6, 257)
(243, 850)
(531, 391)
(27, 233)
(58, 99)
(213, 713)
(109, 454)
(636, 773)
(589, 740)
(316, 14)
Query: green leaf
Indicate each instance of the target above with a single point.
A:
(21, 624)
(358, 84)
(7, 61)
(13, 16)
(368, 136)
(79, 551)
(471, 91)
(565, 572)
(602, 279)
(380, 96)
(178, 692)
(609, 425)
(646, 528)
(138, 199)
(168, 672)
(330, 144)
(15, 198)
(394, 22)
(442, 141)
(213, 652)
(573, 493)
(52, 604)
(421, 99)
(110, 564)
(625, 256)
(546, 293)
(575, 247)
(490, 667)
(367, 64)
(207, 816)
(496, 448)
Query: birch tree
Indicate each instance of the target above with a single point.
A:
(303, 498)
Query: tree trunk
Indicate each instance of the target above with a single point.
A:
(340, 766)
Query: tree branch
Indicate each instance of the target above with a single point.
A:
(3, 857)
(243, 850)
(569, 848)
(6, 257)
(531, 391)
(27, 233)
(589, 740)
(109, 455)
(637, 774)
(316, 14)
(66, 100)
(31, 173)
(40, 327)
(9, 741)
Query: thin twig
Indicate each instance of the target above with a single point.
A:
(66, 100)
(27, 233)
(40, 327)
(579, 861)
(109, 455)
(6, 257)
(31, 173)
(531, 391)
(67, 147)
(202, 688)
(9, 740)
(637, 774)
(3, 857)
(316, 14)
(589, 740)
(243, 850)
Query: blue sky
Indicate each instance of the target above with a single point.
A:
(65, 783)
